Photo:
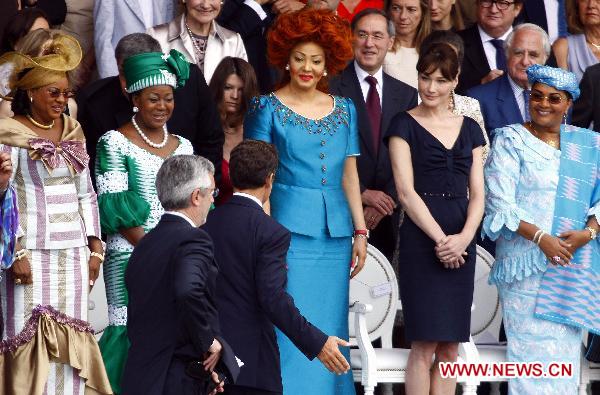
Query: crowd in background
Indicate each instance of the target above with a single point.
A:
(423, 126)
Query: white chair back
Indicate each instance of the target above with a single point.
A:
(377, 286)
(486, 316)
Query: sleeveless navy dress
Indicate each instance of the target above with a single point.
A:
(436, 302)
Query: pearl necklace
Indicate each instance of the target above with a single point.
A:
(194, 43)
(38, 124)
(146, 139)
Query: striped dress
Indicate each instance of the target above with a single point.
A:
(125, 175)
(57, 213)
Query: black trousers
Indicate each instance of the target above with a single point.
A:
(383, 237)
(241, 390)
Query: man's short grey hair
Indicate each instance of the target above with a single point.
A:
(177, 178)
(528, 26)
(134, 44)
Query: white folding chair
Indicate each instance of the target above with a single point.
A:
(486, 317)
(373, 306)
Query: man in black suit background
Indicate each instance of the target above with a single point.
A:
(173, 324)
(378, 97)
(585, 109)
(485, 59)
(104, 105)
(251, 249)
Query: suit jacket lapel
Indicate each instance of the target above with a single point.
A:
(475, 52)
(507, 103)
(135, 7)
(351, 88)
(389, 104)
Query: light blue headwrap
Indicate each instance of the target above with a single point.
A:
(557, 78)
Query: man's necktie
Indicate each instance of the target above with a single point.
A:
(500, 56)
(374, 110)
(526, 116)
(562, 19)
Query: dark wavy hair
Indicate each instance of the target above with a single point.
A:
(229, 66)
(321, 27)
(440, 56)
(251, 162)
(19, 26)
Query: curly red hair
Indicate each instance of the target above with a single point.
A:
(321, 27)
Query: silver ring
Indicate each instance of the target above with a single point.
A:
(556, 258)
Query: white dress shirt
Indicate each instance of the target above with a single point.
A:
(257, 8)
(246, 195)
(551, 7)
(182, 215)
(364, 85)
(488, 47)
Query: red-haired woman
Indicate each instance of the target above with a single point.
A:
(316, 193)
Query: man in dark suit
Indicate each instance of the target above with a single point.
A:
(251, 249)
(550, 15)
(173, 324)
(104, 105)
(504, 101)
(484, 54)
(378, 98)
(585, 109)
(252, 19)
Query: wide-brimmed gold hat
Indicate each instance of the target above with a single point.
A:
(61, 55)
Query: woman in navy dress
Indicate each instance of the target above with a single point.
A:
(438, 168)
(316, 193)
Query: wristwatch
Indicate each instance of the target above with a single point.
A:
(593, 232)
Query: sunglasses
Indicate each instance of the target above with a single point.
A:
(55, 93)
(553, 98)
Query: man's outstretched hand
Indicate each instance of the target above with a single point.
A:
(332, 358)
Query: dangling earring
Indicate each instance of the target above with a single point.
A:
(451, 101)
(325, 73)
(135, 109)
(287, 67)
(31, 99)
(565, 118)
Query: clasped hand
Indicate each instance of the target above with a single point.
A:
(451, 250)
(563, 246)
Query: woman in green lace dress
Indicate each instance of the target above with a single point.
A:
(127, 162)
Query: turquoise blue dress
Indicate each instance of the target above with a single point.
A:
(308, 199)
(521, 180)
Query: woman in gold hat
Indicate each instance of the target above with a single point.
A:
(58, 249)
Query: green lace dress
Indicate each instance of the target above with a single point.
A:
(125, 175)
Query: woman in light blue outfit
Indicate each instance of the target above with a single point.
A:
(542, 206)
(316, 194)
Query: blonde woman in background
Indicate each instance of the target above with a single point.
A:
(412, 22)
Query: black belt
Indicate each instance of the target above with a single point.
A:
(446, 195)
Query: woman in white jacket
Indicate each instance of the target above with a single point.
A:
(196, 34)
